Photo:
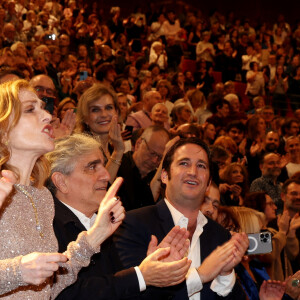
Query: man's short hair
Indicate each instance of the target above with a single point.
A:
(262, 157)
(287, 124)
(236, 124)
(288, 182)
(168, 159)
(102, 70)
(218, 104)
(66, 153)
(151, 129)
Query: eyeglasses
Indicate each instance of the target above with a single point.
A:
(41, 89)
(271, 203)
(152, 153)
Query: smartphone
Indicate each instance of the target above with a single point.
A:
(129, 128)
(259, 243)
(83, 75)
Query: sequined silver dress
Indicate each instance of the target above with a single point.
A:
(19, 236)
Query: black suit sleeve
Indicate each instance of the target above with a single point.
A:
(122, 285)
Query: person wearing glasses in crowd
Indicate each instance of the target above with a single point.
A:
(139, 167)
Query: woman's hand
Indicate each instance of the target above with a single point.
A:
(271, 290)
(110, 215)
(236, 190)
(283, 222)
(7, 181)
(115, 135)
(66, 126)
(37, 267)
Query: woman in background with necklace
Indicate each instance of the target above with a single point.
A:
(28, 247)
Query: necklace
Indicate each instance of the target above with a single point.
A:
(37, 222)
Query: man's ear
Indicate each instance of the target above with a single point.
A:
(59, 181)
(138, 143)
(164, 176)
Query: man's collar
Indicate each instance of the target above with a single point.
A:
(66, 214)
(181, 220)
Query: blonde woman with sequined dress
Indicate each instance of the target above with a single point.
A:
(29, 262)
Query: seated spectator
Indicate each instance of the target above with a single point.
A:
(106, 74)
(220, 109)
(278, 88)
(159, 115)
(229, 145)
(158, 55)
(284, 242)
(139, 168)
(130, 72)
(142, 118)
(65, 105)
(270, 169)
(164, 88)
(181, 114)
(174, 53)
(97, 115)
(256, 131)
(178, 86)
(211, 203)
(258, 102)
(237, 131)
(205, 49)
(171, 26)
(255, 82)
(290, 128)
(183, 202)
(292, 147)
(290, 194)
(267, 113)
(234, 185)
(188, 130)
(209, 133)
(235, 108)
(220, 159)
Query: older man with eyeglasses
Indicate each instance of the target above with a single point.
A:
(139, 167)
(45, 89)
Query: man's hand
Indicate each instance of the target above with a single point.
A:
(271, 290)
(161, 274)
(293, 290)
(37, 267)
(110, 215)
(242, 244)
(213, 264)
(176, 239)
(7, 181)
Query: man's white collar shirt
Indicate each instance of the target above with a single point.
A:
(222, 285)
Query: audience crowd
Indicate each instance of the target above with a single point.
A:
(146, 87)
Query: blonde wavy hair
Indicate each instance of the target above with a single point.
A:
(95, 92)
(10, 113)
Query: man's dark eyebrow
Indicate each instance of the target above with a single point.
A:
(94, 162)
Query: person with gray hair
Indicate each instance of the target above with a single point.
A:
(142, 118)
(78, 181)
(139, 168)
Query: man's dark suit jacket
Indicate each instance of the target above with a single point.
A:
(134, 234)
(97, 280)
(135, 191)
